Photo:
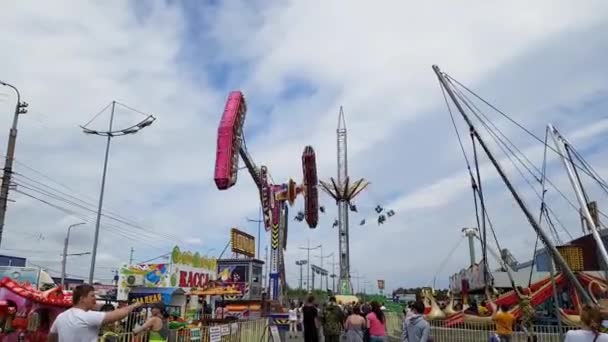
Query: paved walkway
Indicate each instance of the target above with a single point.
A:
(299, 338)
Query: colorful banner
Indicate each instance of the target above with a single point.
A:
(187, 270)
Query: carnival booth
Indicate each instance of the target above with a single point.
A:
(243, 273)
(26, 313)
(168, 283)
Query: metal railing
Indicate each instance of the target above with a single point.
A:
(474, 332)
(245, 331)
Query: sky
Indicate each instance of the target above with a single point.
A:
(297, 62)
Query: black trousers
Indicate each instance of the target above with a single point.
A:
(311, 334)
(332, 338)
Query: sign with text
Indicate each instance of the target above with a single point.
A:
(193, 279)
(242, 243)
(215, 334)
(380, 284)
(225, 328)
(148, 299)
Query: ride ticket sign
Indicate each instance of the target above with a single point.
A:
(242, 243)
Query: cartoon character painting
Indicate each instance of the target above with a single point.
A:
(233, 274)
(156, 275)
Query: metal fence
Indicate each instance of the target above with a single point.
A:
(472, 332)
(245, 331)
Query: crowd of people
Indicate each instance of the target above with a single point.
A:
(336, 321)
(354, 322)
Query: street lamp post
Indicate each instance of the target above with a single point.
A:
(333, 264)
(259, 222)
(65, 252)
(301, 263)
(109, 134)
(20, 108)
(358, 277)
(322, 257)
(308, 249)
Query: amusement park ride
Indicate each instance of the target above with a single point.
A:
(273, 197)
(580, 283)
(343, 191)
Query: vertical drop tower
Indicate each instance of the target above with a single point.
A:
(343, 191)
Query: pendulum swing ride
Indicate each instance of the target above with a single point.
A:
(273, 197)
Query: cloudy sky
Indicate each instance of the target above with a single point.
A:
(297, 62)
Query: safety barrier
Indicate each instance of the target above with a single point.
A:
(245, 331)
(474, 332)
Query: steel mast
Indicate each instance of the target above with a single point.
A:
(559, 260)
(560, 142)
(343, 192)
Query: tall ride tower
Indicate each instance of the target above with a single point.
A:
(343, 191)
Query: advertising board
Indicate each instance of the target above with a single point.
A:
(187, 271)
(242, 243)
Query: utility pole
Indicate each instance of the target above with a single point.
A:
(301, 263)
(20, 108)
(109, 134)
(308, 249)
(64, 256)
(259, 222)
(333, 273)
(323, 256)
(357, 277)
(131, 256)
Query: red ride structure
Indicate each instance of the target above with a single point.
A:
(273, 197)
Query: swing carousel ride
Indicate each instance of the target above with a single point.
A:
(579, 278)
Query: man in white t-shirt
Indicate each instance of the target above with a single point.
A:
(80, 323)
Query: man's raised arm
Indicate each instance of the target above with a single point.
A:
(118, 314)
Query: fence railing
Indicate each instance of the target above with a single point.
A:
(476, 332)
(245, 331)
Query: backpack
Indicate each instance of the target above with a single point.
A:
(332, 321)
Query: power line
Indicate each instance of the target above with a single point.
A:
(91, 203)
(502, 145)
(117, 230)
(72, 203)
(519, 125)
(43, 175)
(105, 213)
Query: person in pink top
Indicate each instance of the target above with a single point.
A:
(376, 323)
